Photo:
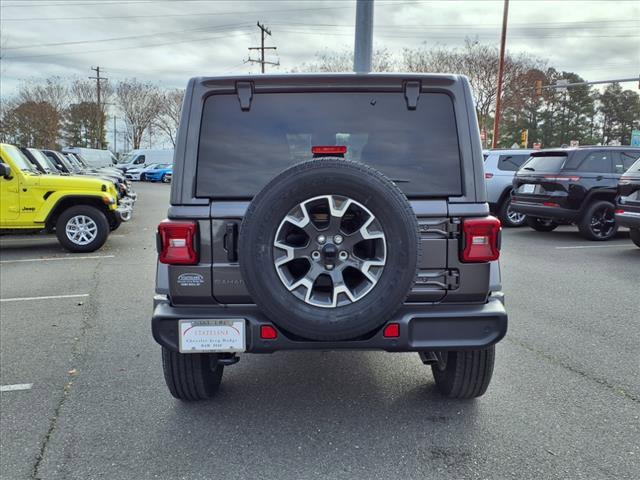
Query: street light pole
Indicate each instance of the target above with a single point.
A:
(503, 41)
(364, 37)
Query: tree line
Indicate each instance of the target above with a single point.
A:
(59, 111)
(62, 111)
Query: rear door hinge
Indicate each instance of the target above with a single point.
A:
(412, 93)
(245, 94)
(452, 279)
(453, 227)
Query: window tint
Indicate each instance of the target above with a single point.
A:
(596, 162)
(511, 163)
(544, 163)
(139, 160)
(623, 160)
(240, 151)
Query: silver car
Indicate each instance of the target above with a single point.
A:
(499, 168)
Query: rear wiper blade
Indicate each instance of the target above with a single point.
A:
(400, 180)
(529, 168)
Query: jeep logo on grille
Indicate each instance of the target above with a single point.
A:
(190, 280)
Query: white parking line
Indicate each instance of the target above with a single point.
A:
(48, 297)
(16, 387)
(54, 259)
(594, 246)
(42, 239)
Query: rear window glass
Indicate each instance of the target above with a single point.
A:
(240, 151)
(547, 163)
(511, 163)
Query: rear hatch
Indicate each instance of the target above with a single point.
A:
(539, 179)
(244, 144)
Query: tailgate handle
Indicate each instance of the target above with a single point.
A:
(231, 241)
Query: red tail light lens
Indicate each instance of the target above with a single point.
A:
(391, 331)
(267, 332)
(488, 175)
(550, 204)
(619, 211)
(329, 150)
(177, 242)
(561, 178)
(481, 239)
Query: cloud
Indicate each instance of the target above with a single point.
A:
(168, 42)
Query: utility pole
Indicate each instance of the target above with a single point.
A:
(98, 79)
(503, 40)
(263, 31)
(364, 37)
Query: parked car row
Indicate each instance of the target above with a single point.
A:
(596, 188)
(47, 190)
(156, 172)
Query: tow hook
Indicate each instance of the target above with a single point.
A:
(227, 359)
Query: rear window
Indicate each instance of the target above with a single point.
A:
(547, 163)
(240, 151)
(511, 163)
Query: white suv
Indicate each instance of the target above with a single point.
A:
(499, 168)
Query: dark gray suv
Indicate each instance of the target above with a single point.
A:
(328, 212)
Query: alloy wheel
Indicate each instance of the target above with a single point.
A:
(603, 222)
(81, 230)
(329, 251)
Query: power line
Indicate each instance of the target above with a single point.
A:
(199, 14)
(132, 37)
(80, 52)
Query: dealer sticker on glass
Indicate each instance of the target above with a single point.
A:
(212, 336)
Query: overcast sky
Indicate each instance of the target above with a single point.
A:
(170, 41)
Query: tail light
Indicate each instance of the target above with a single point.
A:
(177, 242)
(561, 178)
(488, 175)
(619, 211)
(550, 204)
(481, 239)
(329, 150)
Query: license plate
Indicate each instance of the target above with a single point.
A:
(212, 336)
(527, 188)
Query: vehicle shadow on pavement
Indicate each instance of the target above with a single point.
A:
(311, 406)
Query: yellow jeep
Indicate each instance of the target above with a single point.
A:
(79, 209)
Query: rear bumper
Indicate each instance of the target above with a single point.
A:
(422, 328)
(628, 219)
(542, 211)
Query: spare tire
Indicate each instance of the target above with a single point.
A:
(329, 249)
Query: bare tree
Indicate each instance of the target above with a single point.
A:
(328, 61)
(479, 62)
(141, 104)
(54, 91)
(169, 118)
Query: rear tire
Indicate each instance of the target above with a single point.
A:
(191, 377)
(509, 218)
(465, 373)
(541, 224)
(97, 231)
(598, 222)
(634, 233)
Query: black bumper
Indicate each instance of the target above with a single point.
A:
(628, 219)
(422, 328)
(542, 211)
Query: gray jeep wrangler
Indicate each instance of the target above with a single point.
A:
(328, 212)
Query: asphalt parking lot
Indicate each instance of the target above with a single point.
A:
(564, 402)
